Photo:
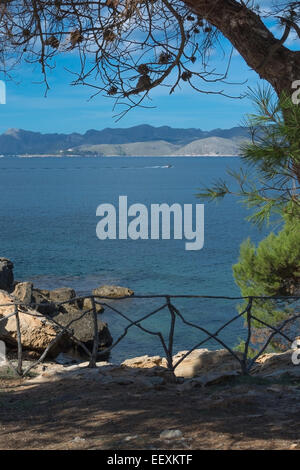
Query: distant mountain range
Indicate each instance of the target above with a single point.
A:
(143, 140)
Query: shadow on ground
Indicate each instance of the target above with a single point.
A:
(82, 414)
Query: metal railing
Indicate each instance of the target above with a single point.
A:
(245, 361)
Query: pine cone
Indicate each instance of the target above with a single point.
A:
(52, 41)
(76, 37)
(144, 82)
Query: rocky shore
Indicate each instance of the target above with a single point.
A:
(43, 313)
(202, 368)
(64, 404)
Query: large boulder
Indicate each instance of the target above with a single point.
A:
(207, 366)
(36, 331)
(83, 328)
(63, 294)
(45, 300)
(277, 364)
(114, 292)
(200, 363)
(6, 274)
(203, 362)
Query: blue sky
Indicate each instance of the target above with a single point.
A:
(68, 109)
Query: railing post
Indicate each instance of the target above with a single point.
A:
(93, 359)
(245, 370)
(171, 340)
(19, 339)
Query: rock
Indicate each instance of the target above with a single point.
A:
(48, 299)
(277, 364)
(83, 329)
(87, 305)
(145, 362)
(23, 292)
(45, 302)
(36, 331)
(202, 362)
(41, 302)
(6, 274)
(113, 292)
(171, 434)
(63, 294)
(210, 366)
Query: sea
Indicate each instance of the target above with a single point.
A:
(48, 229)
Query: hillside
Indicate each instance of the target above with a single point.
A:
(135, 149)
(211, 146)
(143, 140)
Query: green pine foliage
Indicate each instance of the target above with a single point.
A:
(271, 269)
(270, 182)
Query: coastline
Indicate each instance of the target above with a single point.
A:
(120, 156)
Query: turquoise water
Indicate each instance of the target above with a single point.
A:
(48, 228)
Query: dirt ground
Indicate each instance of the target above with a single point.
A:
(81, 414)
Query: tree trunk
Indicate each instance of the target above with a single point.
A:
(252, 39)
